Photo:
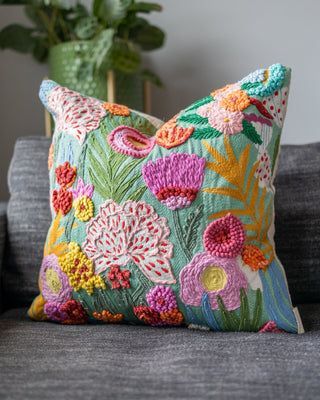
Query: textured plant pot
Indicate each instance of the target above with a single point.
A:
(64, 62)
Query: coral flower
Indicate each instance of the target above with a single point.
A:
(66, 174)
(172, 317)
(254, 258)
(221, 119)
(116, 109)
(171, 135)
(224, 237)
(69, 313)
(74, 313)
(119, 278)
(213, 275)
(148, 315)
(62, 200)
(108, 317)
(176, 179)
(235, 101)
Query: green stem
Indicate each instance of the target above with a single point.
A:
(178, 230)
(49, 24)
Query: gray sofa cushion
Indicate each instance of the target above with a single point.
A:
(297, 219)
(297, 205)
(50, 361)
(28, 219)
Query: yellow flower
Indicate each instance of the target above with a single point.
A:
(83, 208)
(79, 268)
(235, 101)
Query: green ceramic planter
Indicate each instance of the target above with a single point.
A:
(64, 61)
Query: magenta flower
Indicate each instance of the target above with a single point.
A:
(53, 281)
(161, 298)
(82, 190)
(213, 275)
(224, 237)
(53, 311)
(176, 179)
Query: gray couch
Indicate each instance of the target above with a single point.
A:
(49, 361)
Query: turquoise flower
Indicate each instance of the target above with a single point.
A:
(264, 82)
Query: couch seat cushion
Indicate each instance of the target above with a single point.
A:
(49, 361)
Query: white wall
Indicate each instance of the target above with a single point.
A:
(209, 43)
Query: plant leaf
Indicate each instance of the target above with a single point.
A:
(144, 7)
(18, 38)
(86, 27)
(148, 37)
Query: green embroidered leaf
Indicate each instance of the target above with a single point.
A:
(249, 85)
(275, 153)
(250, 132)
(199, 103)
(193, 119)
(110, 173)
(191, 228)
(229, 318)
(206, 133)
(244, 312)
(257, 313)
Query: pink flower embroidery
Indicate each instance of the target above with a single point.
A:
(270, 327)
(75, 114)
(130, 141)
(227, 122)
(176, 179)
(131, 232)
(213, 275)
(224, 237)
(161, 298)
(83, 190)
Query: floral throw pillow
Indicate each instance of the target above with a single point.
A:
(167, 227)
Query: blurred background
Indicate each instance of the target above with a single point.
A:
(208, 44)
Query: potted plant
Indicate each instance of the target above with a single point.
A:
(81, 45)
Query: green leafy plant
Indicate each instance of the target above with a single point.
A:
(117, 31)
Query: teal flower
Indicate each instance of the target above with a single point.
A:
(264, 82)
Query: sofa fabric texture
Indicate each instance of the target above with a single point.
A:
(28, 219)
(49, 361)
(297, 206)
(297, 219)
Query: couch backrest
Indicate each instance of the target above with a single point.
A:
(297, 219)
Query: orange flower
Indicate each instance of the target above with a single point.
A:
(116, 109)
(235, 101)
(219, 93)
(50, 156)
(172, 317)
(254, 258)
(172, 135)
(108, 317)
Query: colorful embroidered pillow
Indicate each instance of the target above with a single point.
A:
(172, 229)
